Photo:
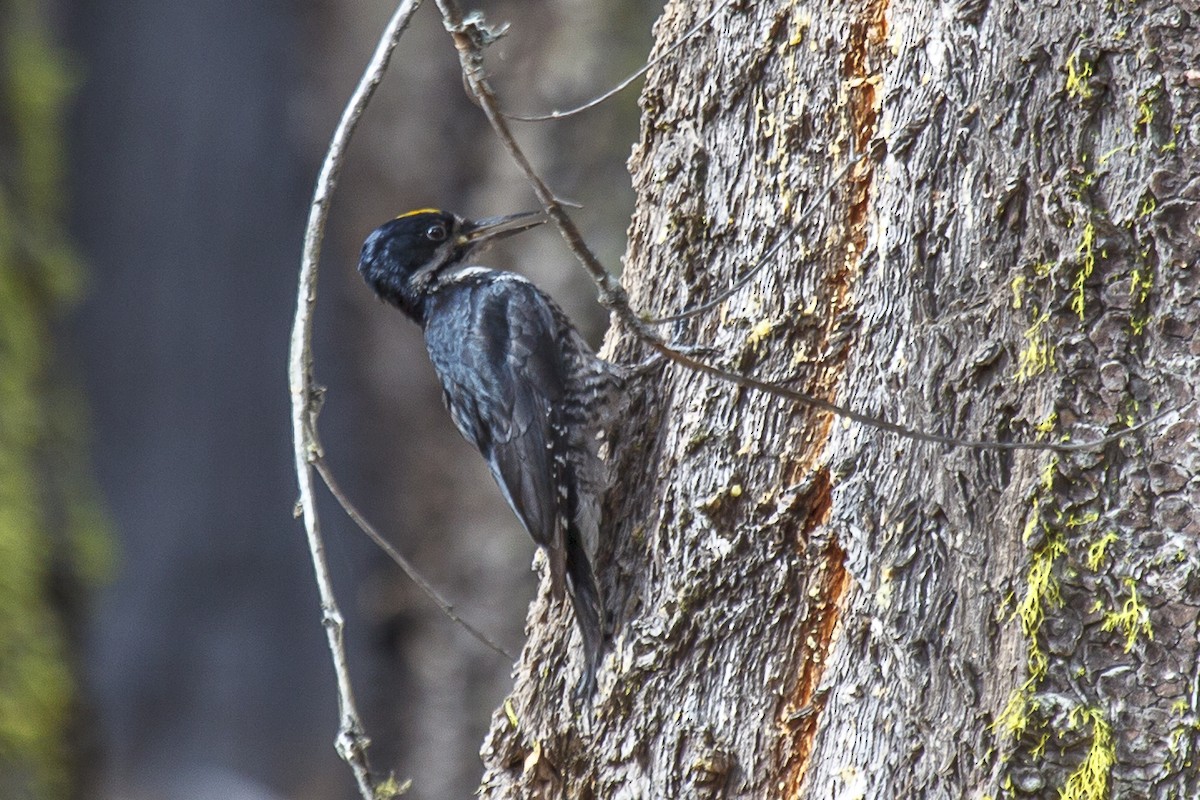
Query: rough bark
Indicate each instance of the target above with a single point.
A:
(807, 608)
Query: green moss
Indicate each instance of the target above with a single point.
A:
(42, 522)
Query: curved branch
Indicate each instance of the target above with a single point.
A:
(352, 741)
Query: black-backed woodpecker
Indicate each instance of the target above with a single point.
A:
(520, 384)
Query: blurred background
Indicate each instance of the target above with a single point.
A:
(159, 629)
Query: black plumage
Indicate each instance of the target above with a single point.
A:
(520, 384)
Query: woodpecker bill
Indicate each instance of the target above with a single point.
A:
(520, 384)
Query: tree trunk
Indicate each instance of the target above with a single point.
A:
(807, 608)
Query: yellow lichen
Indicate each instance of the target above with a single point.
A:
(1042, 592)
(1079, 73)
(761, 330)
(391, 788)
(1097, 550)
(1087, 265)
(1018, 286)
(1014, 719)
(1089, 781)
(1141, 281)
(1046, 481)
(1039, 749)
(1044, 427)
(39, 276)
(1038, 354)
(1144, 117)
(1132, 620)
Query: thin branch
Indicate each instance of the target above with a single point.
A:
(595, 101)
(779, 390)
(470, 34)
(467, 34)
(416, 577)
(352, 741)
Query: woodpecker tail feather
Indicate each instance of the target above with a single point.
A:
(589, 609)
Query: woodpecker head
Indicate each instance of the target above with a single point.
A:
(402, 259)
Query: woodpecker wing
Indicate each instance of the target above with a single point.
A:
(492, 339)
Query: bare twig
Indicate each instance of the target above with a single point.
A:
(416, 577)
(595, 101)
(467, 35)
(470, 34)
(352, 741)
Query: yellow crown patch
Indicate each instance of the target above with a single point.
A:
(420, 211)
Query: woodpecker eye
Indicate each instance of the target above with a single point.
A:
(436, 232)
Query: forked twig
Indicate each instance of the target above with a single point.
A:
(352, 741)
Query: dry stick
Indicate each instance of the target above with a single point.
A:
(354, 111)
(595, 101)
(416, 577)
(352, 741)
(465, 34)
(468, 35)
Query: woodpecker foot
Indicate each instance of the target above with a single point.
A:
(657, 359)
(585, 689)
(644, 368)
(693, 350)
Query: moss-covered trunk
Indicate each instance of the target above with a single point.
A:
(807, 608)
